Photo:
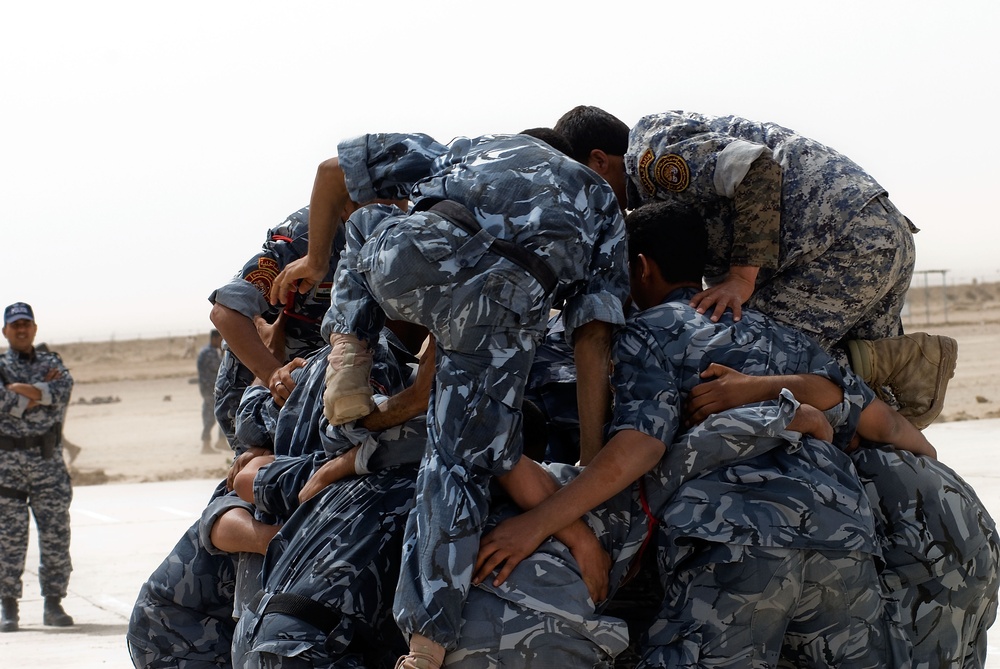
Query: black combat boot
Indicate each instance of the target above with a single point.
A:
(8, 614)
(53, 614)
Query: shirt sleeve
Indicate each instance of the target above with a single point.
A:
(386, 165)
(646, 397)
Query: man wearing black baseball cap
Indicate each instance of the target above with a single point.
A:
(35, 391)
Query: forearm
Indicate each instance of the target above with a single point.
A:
(881, 423)
(592, 355)
(244, 341)
(329, 205)
(236, 531)
(396, 410)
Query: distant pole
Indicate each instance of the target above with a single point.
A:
(927, 292)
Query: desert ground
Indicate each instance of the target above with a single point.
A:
(136, 411)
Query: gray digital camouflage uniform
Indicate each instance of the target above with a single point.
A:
(740, 498)
(836, 256)
(33, 474)
(485, 312)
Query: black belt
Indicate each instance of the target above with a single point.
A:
(46, 441)
(463, 218)
(13, 493)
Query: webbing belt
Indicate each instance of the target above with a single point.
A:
(463, 218)
(305, 609)
(49, 437)
(13, 493)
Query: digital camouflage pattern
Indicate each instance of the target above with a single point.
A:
(247, 294)
(844, 255)
(486, 313)
(941, 552)
(32, 478)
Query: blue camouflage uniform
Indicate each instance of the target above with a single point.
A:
(941, 550)
(542, 615)
(486, 313)
(758, 523)
(33, 474)
(835, 255)
(552, 388)
(183, 615)
(247, 294)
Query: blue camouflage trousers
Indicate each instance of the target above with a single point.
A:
(340, 550)
(749, 607)
(828, 299)
(487, 316)
(183, 615)
(30, 481)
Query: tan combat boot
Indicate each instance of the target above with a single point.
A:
(916, 367)
(348, 393)
(424, 654)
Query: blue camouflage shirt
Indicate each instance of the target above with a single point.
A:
(247, 292)
(740, 477)
(16, 420)
(519, 189)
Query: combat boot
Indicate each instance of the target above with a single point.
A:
(915, 367)
(348, 393)
(8, 614)
(53, 614)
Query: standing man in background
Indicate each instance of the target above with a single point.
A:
(209, 359)
(33, 398)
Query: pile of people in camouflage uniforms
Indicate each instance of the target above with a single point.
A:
(483, 418)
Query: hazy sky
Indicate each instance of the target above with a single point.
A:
(145, 148)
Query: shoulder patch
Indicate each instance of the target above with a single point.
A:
(671, 172)
(646, 181)
(262, 278)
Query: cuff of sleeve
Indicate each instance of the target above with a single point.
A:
(46, 393)
(353, 157)
(584, 309)
(20, 407)
(211, 514)
(241, 296)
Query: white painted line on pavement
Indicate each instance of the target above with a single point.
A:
(96, 516)
(176, 512)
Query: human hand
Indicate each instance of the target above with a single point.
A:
(281, 382)
(725, 390)
(811, 421)
(298, 275)
(730, 294)
(273, 334)
(595, 566)
(505, 547)
(52, 375)
(241, 461)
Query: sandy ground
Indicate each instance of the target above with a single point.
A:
(135, 409)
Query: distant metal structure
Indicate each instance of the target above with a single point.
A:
(927, 291)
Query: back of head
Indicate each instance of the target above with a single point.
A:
(587, 128)
(676, 241)
(550, 137)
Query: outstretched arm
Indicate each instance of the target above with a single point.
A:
(329, 205)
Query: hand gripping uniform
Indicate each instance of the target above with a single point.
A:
(33, 474)
(835, 255)
(758, 523)
(247, 294)
(485, 310)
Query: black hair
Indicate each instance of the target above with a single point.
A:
(675, 240)
(550, 137)
(587, 128)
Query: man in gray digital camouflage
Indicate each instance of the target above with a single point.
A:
(502, 228)
(33, 396)
(796, 230)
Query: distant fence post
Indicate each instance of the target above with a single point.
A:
(927, 292)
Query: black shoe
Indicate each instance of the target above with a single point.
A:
(8, 614)
(53, 614)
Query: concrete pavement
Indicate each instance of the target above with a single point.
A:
(121, 532)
